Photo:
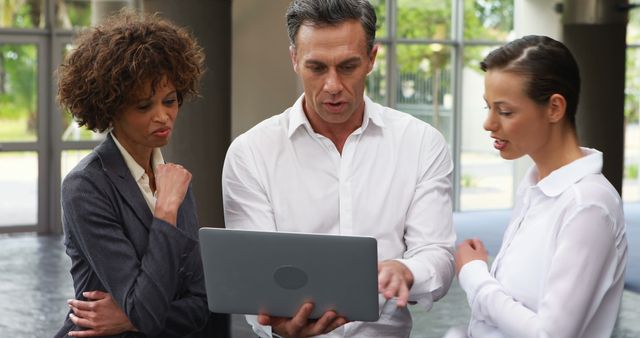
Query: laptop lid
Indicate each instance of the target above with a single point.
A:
(251, 272)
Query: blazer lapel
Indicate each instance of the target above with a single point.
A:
(116, 169)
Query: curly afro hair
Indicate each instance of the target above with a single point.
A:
(113, 63)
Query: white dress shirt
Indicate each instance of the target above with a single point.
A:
(138, 173)
(560, 270)
(392, 181)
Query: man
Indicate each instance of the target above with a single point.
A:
(338, 163)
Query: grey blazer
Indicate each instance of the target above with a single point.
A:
(151, 268)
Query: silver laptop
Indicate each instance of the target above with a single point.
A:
(251, 272)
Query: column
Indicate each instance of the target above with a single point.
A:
(595, 31)
(202, 130)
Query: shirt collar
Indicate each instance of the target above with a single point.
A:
(137, 171)
(373, 112)
(297, 117)
(562, 178)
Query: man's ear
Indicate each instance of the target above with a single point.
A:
(294, 58)
(372, 57)
(557, 108)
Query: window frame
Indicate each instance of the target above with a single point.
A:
(457, 43)
(49, 145)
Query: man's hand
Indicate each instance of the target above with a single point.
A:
(100, 315)
(300, 325)
(395, 280)
(470, 250)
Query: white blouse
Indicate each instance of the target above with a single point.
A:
(560, 270)
(138, 173)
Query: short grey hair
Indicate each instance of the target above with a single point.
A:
(331, 12)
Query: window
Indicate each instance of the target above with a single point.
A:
(428, 67)
(38, 143)
(18, 92)
(22, 14)
(631, 179)
(18, 133)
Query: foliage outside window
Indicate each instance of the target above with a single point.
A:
(22, 14)
(72, 14)
(632, 84)
(34, 155)
(424, 19)
(631, 181)
(18, 92)
(71, 131)
(428, 57)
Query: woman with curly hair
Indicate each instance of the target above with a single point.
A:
(130, 219)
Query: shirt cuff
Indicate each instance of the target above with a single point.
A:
(263, 331)
(472, 276)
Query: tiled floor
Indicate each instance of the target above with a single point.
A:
(34, 286)
(35, 283)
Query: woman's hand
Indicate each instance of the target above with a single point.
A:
(470, 250)
(99, 314)
(172, 183)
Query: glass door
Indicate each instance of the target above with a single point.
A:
(70, 142)
(23, 128)
(39, 144)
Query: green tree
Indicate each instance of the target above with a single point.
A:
(632, 86)
(632, 81)
(483, 20)
(490, 20)
(21, 13)
(381, 12)
(486, 20)
(18, 92)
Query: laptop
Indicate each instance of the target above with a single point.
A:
(252, 272)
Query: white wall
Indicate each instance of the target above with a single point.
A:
(474, 137)
(540, 18)
(263, 82)
(537, 17)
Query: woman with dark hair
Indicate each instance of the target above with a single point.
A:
(130, 219)
(560, 270)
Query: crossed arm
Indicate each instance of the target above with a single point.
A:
(157, 290)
